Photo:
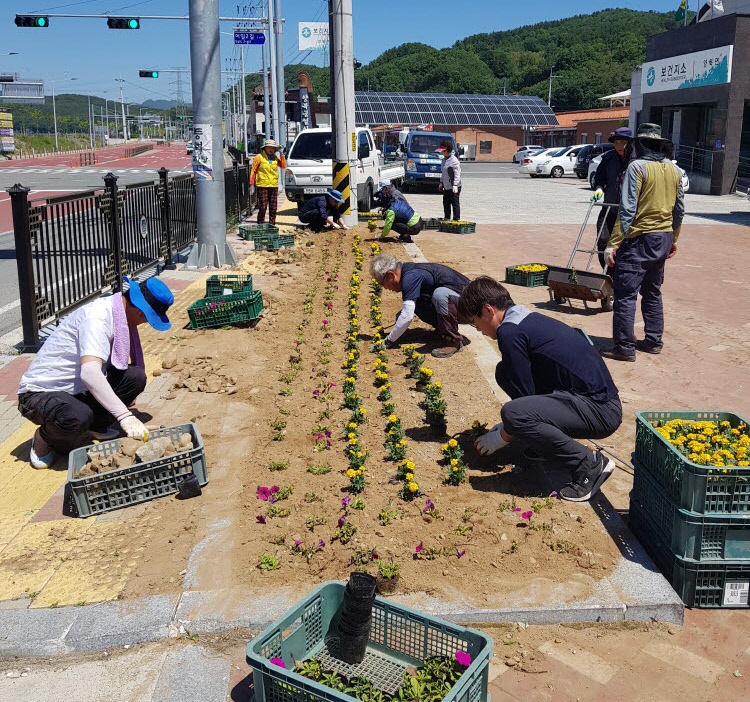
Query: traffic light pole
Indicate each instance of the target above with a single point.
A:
(342, 111)
(274, 74)
(212, 248)
(275, 23)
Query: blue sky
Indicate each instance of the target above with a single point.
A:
(95, 55)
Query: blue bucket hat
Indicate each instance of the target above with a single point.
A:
(336, 195)
(384, 184)
(621, 133)
(153, 298)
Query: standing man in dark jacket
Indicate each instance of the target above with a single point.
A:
(450, 180)
(430, 290)
(560, 388)
(608, 184)
(323, 211)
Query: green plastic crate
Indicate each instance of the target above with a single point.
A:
(712, 584)
(228, 284)
(524, 278)
(364, 216)
(400, 637)
(212, 312)
(688, 535)
(140, 482)
(431, 223)
(249, 231)
(687, 483)
(446, 225)
(286, 240)
(268, 245)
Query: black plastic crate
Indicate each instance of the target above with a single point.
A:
(688, 535)
(217, 285)
(431, 223)
(693, 487)
(712, 584)
(140, 482)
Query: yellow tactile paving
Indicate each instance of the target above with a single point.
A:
(99, 564)
(11, 462)
(11, 524)
(33, 556)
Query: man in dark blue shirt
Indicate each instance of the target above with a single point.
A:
(430, 290)
(323, 211)
(559, 387)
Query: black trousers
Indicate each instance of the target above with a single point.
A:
(64, 419)
(549, 425)
(605, 223)
(451, 199)
(314, 221)
(406, 230)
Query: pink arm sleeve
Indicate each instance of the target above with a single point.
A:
(96, 382)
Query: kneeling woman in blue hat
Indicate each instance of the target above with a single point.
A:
(323, 211)
(90, 370)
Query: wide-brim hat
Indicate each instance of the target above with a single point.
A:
(621, 133)
(153, 298)
(271, 142)
(648, 130)
(336, 195)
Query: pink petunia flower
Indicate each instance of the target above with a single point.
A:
(297, 542)
(463, 658)
(278, 662)
(419, 548)
(460, 552)
(527, 515)
(263, 493)
(516, 509)
(274, 489)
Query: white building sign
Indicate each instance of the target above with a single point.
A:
(313, 35)
(711, 67)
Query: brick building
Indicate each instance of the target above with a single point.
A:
(581, 127)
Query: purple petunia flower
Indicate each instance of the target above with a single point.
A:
(345, 502)
(260, 518)
(429, 505)
(516, 509)
(553, 493)
(297, 543)
(321, 544)
(419, 548)
(527, 515)
(460, 552)
(342, 520)
(274, 489)
(463, 658)
(263, 493)
(278, 662)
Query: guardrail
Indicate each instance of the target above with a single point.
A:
(72, 248)
(694, 160)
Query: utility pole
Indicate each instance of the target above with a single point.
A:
(122, 104)
(276, 23)
(549, 94)
(244, 100)
(274, 74)
(266, 96)
(212, 248)
(91, 126)
(343, 129)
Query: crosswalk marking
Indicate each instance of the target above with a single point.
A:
(686, 661)
(583, 662)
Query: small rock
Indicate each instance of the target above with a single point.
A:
(24, 675)
(532, 560)
(153, 450)
(170, 395)
(128, 446)
(157, 372)
(580, 519)
(494, 565)
(558, 640)
(503, 537)
(185, 439)
(671, 631)
(380, 534)
(126, 646)
(170, 360)
(445, 573)
(123, 461)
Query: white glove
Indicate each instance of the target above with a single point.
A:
(609, 256)
(455, 189)
(598, 195)
(491, 441)
(133, 427)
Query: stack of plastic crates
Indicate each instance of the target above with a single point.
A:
(254, 232)
(694, 520)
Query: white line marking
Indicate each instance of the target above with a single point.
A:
(582, 662)
(686, 661)
(10, 306)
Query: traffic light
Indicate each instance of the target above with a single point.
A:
(124, 23)
(148, 74)
(32, 21)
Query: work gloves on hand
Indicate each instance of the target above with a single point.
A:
(133, 427)
(491, 441)
(609, 256)
(598, 195)
(455, 190)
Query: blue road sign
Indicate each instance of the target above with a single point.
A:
(249, 38)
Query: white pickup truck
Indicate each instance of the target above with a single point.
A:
(309, 167)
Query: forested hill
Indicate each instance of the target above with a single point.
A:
(593, 55)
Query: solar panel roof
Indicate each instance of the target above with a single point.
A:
(443, 108)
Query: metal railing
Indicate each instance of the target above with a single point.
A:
(694, 160)
(743, 174)
(72, 248)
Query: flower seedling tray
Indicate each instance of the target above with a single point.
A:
(431, 223)
(455, 227)
(253, 232)
(709, 584)
(217, 285)
(226, 310)
(692, 487)
(400, 637)
(528, 279)
(140, 482)
(364, 216)
(696, 537)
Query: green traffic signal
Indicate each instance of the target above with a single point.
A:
(148, 74)
(133, 24)
(32, 21)
(123, 23)
(41, 21)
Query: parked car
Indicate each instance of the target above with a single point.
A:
(524, 151)
(595, 164)
(189, 148)
(528, 164)
(587, 153)
(558, 162)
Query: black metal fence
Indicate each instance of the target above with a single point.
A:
(72, 248)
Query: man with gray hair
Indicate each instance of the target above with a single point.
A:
(429, 290)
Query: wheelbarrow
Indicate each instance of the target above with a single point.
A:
(568, 283)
